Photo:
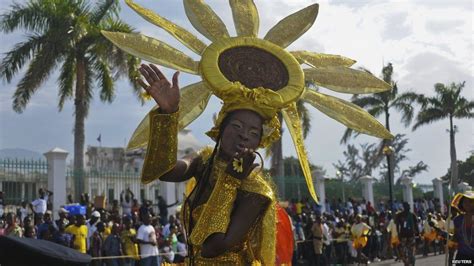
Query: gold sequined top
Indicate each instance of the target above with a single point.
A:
(214, 216)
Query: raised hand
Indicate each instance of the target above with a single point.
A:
(165, 94)
(242, 164)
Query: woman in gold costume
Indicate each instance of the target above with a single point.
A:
(223, 214)
(230, 215)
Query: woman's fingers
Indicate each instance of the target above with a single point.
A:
(158, 72)
(175, 79)
(151, 73)
(146, 75)
(143, 84)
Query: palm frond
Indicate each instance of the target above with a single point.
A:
(429, 115)
(31, 17)
(367, 101)
(66, 80)
(38, 71)
(464, 109)
(104, 9)
(15, 59)
(104, 77)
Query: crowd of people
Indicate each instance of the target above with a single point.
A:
(127, 233)
(356, 231)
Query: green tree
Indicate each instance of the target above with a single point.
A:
(447, 103)
(66, 34)
(383, 103)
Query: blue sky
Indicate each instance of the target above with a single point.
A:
(427, 42)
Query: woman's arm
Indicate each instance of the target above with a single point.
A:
(248, 207)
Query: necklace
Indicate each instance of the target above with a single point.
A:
(464, 234)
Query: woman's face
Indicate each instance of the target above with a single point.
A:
(244, 130)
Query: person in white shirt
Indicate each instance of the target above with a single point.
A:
(39, 205)
(23, 211)
(127, 201)
(146, 237)
(92, 226)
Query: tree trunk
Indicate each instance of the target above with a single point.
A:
(452, 147)
(277, 169)
(79, 135)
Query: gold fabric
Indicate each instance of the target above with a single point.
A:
(181, 34)
(152, 50)
(193, 100)
(328, 71)
(346, 80)
(346, 113)
(292, 120)
(293, 26)
(258, 248)
(162, 149)
(322, 60)
(218, 208)
(245, 16)
(205, 20)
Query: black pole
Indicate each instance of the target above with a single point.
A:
(389, 168)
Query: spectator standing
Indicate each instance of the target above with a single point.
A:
(163, 208)
(317, 230)
(79, 232)
(44, 227)
(22, 212)
(128, 236)
(91, 225)
(127, 201)
(1, 204)
(146, 237)
(113, 247)
(63, 213)
(359, 232)
(39, 205)
(97, 243)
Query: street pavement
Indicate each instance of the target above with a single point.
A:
(420, 261)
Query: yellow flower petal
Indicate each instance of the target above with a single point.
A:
(322, 60)
(245, 16)
(153, 50)
(346, 80)
(194, 99)
(347, 113)
(181, 34)
(205, 20)
(293, 26)
(293, 122)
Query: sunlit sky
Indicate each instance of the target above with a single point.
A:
(427, 41)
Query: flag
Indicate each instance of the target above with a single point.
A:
(99, 139)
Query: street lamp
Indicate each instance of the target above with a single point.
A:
(388, 151)
(340, 176)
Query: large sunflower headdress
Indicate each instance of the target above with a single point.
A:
(246, 72)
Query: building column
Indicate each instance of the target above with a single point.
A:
(463, 187)
(320, 188)
(367, 188)
(56, 159)
(438, 192)
(408, 191)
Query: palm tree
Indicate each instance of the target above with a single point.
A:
(447, 103)
(378, 104)
(66, 34)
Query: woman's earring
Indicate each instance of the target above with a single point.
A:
(261, 160)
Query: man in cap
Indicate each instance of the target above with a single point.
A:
(63, 213)
(92, 225)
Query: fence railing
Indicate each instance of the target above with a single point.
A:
(21, 179)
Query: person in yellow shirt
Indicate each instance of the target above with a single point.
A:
(128, 236)
(359, 231)
(79, 233)
(299, 207)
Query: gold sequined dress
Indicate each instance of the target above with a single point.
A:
(214, 216)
